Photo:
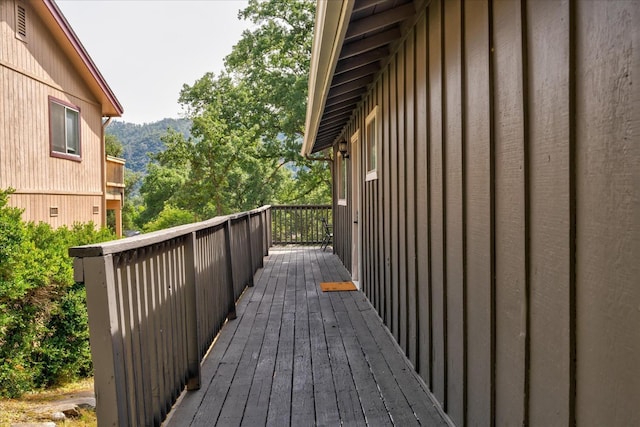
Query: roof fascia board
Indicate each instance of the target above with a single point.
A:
(332, 20)
(113, 107)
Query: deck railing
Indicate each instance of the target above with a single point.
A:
(115, 172)
(157, 301)
(299, 224)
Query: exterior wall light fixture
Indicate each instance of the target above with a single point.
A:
(343, 149)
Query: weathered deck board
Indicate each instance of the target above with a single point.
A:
(297, 356)
(260, 391)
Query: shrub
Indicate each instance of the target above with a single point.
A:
(43, 316)
(170, 217)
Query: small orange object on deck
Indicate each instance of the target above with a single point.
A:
(337, 286)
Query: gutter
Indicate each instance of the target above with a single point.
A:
(318, 159)
(103, 165)
(332, 20)
(106, 123)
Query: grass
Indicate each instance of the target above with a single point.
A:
(25, 409)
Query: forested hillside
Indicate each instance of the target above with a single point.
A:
(140, 140)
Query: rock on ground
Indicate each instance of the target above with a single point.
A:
(68, 407)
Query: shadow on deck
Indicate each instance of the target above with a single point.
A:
(298, 356)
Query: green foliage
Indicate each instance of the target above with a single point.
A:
(228, 168)
(312, 186)
(113, 146)
(247, 125)
(43, 318)
(140, 141)
(133, 204)
(11, 236)
(273, 60)
(170, 217)
(65, 354)
(161, 185)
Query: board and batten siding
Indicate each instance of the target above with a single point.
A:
(501, 239)
(31, 71)
(341, 222)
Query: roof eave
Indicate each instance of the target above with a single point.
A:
(57, 23)
(332, 20)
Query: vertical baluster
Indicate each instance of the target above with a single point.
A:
(278, 215)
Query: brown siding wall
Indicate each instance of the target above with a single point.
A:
(606, 185)
(341, 219)
(510, 206)
(501, 239)
(30, 72)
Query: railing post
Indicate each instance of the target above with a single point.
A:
(262, 240)
(250, 249)
(105, 337)
(264, 230)
(193, 353)
(269, 236)
(227, 243)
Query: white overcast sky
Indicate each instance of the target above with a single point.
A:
(146, 50)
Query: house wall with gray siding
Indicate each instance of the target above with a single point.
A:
(501, 239)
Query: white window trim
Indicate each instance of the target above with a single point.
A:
(342, 180)
(373, 115)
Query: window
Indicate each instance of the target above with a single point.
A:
(21, 22)
(64, 129)
(342, 180)
(371, 144)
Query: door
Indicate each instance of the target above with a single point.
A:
(356, 190)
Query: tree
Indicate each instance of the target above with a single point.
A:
(247, 125)
(113, 146)
(270, 67)
(161, 185)
(230, 168)
(169, 217)
(273, 60)
(133, 205)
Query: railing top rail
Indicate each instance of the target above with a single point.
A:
(301, 206)
(113, 159)
(155, 237)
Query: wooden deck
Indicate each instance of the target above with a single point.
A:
(298, 356)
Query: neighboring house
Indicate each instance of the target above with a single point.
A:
(52, 103)
(487, 197)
